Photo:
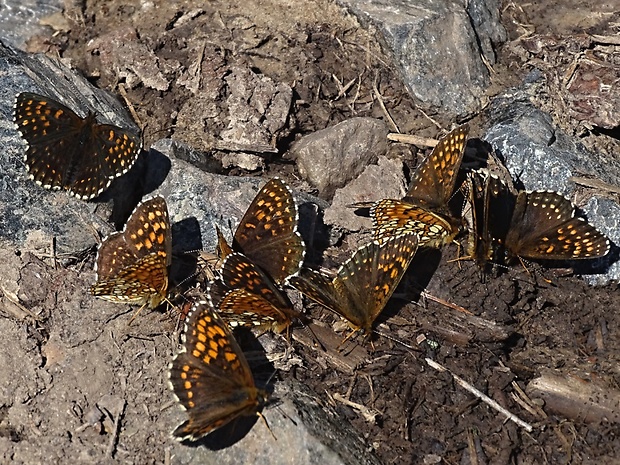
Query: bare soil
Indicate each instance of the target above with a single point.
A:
(562, 325)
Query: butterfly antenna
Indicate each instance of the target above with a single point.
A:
(267, 425)
(314, 336)
(136, 313)
(398, 341)
(445, 303)
(349, 336)
(532, 275)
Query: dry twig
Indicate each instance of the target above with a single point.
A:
(480, 395)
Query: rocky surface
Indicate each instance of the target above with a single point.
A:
(220, 89)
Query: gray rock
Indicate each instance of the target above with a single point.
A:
(542, 157)
(330, 158)
(199, 200)
(21, 19)
(436, 49)
(490, 32)
(385, 180)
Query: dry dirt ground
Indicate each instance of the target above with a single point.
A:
(563, 325)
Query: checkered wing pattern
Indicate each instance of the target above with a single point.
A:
(433, 182)
(72, 153)
(544, 226)
(424, 210)
(132, 265)
(210, 376)
(364, 283)
(267, 233)
(245, 296)
(393, 217)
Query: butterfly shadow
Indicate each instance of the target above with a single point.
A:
(128, 190)
(227, 435)
(313, 231)
(154, 170)
(186, 238)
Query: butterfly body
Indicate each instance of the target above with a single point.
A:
(488, 210)
(132, 265)
(72, 153)
(245, 296)
(210, 376)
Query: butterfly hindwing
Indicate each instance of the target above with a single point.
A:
(132, 265)
(544, 226)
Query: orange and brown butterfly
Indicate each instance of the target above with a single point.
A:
(267, 248)
(489, 203)
(210, 376)
(424, 210)
(529, 225)
(268, 234)
(72, 153)
(132, 265)
(544, 226)
(364, 283)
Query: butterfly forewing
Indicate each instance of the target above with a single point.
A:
(267, 233)
(211, 377)
(72, 153)
(544, 226)
(364, 283)
(132, 265)
(433, 182)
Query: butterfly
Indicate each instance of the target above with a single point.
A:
(132, 265)
(270, 249)
(364, 283)
(72, 153)
(544, 226)
(210, 376)
(487, 213)
(424, 210)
